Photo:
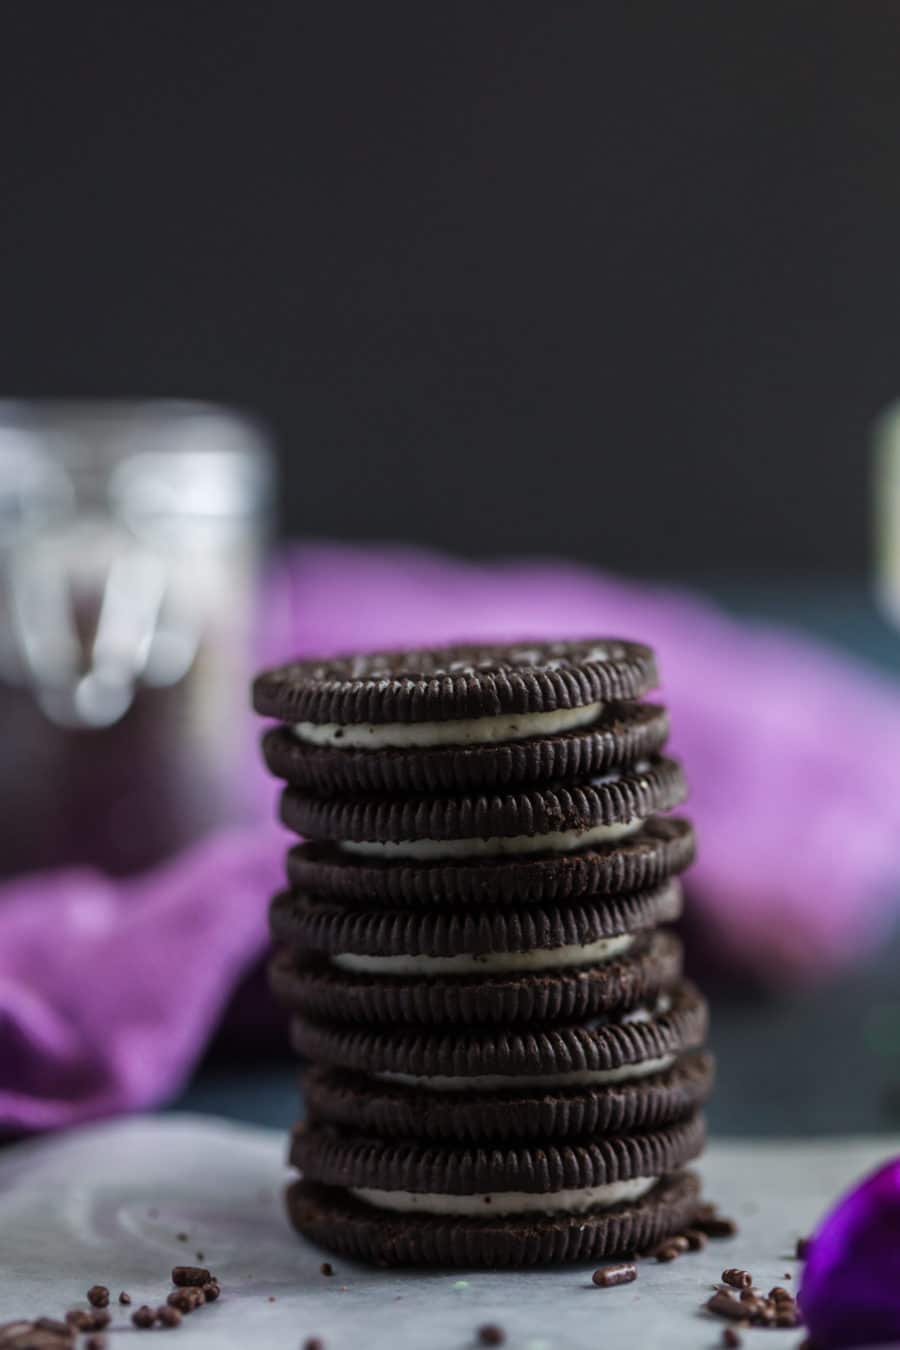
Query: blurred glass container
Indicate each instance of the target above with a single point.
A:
(887, 509)
(131, 537)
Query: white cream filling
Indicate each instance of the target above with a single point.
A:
(556, 841)
(485, 1204)
(461, 731)
(547, 958)
(497, 1082)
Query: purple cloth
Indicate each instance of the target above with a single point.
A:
(796, 801)
(850, 1293)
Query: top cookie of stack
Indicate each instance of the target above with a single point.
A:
(470, 946)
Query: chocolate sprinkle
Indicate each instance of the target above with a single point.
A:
(625, 1272)
(187, 1276)
(738, 1279)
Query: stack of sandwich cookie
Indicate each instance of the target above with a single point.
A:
(506, 1065)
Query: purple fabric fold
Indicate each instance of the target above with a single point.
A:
(110, 990)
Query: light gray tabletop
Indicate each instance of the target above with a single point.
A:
(107, 1204)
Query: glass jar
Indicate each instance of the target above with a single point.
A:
(131, 536)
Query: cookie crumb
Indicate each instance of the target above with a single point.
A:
(211, 1291)
(80, 1320)
(802, 1250)
(143, 1317)
(326, 1268)
(738, 1279)
(124, 1298)
(190, 1276)
(167, 1316)
(607, 1277)
(98, 1296)
(491, 1334)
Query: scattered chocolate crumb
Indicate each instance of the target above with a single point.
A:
(717, 1228)
(738, 1279)
(185, 1300)
(211, 1291)
(167, 1316)
(143, 1316)
(780, 1294)
(80, 1319)
(326, 1268)
(96, 1343)
(667, 1251)
(706, 1211)
(190, 1276)
(624, 1272)
(788, 1275)
(99, 1319)
(723, 1305)
(802, 1248)
(54, 1326)
(491, 1334)
(98, 1296)
(313, 1343)
(271, 1298)
(731, 1338)
(749, 1295)
(124, 1298)
(198, 1256)
(696, 1240)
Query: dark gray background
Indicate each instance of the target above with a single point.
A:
(615, 280)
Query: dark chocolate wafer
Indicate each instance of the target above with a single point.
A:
(623, 734)
(677, 1024)
(325, 993)
(336, 1157)
(663, 847)
(334, 1219)
(455, 682)
(636, 793)
(401, 1111)
(309, 924)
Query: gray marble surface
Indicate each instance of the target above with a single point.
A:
(106, 1204)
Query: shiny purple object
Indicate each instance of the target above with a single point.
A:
(109, 990)
(850, 1294)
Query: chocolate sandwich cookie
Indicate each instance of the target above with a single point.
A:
(557, 818)
(539, 680)
(620, 734)
(404, 1176)
(661, 848)
(401, 1111)
(381, 940)
(335, 1219)
(322, 991)
(436, 965)
(464, 1185)
(638, 1044)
